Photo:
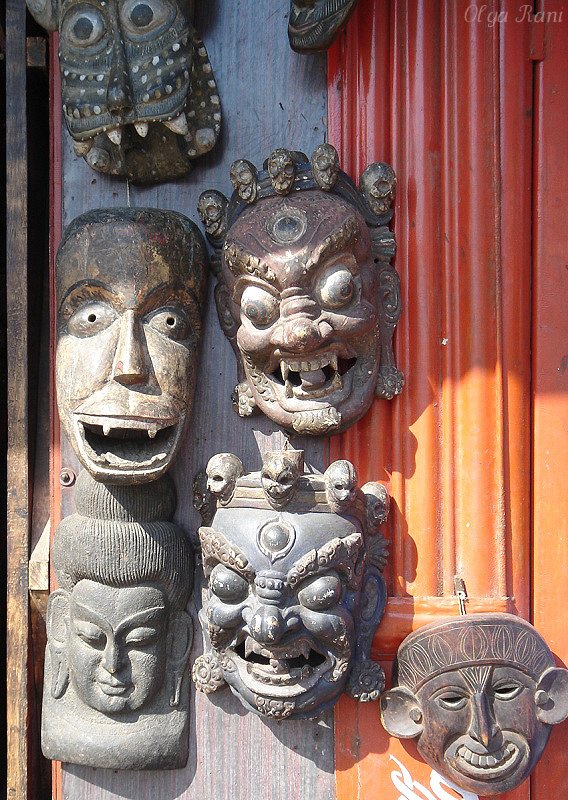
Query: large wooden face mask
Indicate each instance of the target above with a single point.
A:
(139, 96)
(306, 293)
(294, 586)
(131, 288)
(480, 694)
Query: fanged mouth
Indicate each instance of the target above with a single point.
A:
(313, 378)
(129, 444)
(283, 666)
(177, 123)
(495, 763)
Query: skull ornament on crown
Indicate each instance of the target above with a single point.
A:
(294, 590)
(480, 695)
(306, 292)
(139, 95)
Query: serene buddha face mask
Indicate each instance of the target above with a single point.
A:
(306, 293)
(116, 686)
(139, 96)
(479, 694)
(294, 590)
(131, 289)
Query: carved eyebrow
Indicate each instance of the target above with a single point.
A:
(83, 292)
(340, 554)
(337, 240)
(148, 615)
(90, 616)
(216, 549)
(242, 263)
(165, 293)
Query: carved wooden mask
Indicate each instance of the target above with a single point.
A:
(139, 95)
(130, 294)
(306, 293)
(294, 590)
(118, 635)
(314, 24)
(480, 694)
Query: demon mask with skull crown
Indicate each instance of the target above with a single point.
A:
(314, 24)
(480, 694)
(116, 685)
(130, 290)
(139, 96)
(306, 292)
(294, 590)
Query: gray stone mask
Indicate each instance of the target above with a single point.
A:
(115, 695)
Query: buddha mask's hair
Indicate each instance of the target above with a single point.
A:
(123, 536)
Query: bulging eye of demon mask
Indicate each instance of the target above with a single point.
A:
(294, 592)
(139, 95)
(480, 694)
(131, 288)
(306, 293)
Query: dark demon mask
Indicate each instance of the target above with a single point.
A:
(480, 694)
(116, 689)
(130, 295)
(306, 292)
(294, 590)
(139, 96)
(314, 24)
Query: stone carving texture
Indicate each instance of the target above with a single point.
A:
(480, 694)
(294, 590)
(131, 286)
(116, 689)
(306, 292)
(314, 24)
(139, 95)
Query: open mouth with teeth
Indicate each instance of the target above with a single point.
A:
(177, 123)
(293, 669)
(313, 378)
(489, 765)
(127, 445)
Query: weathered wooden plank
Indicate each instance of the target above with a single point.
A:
(271, 98)
(17, 362)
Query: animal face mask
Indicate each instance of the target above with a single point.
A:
(306, 293)
(139, 96)
(479, 694)
(294, 590)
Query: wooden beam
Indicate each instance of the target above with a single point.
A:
(17, 473)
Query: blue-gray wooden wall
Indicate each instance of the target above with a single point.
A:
(270, 98)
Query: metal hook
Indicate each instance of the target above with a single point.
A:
(461, 594)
